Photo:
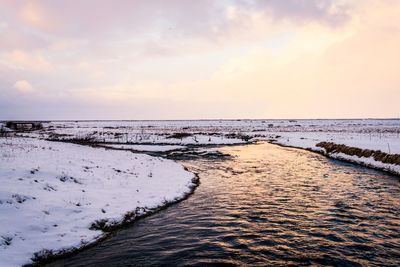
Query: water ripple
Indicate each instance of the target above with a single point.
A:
(268, 206)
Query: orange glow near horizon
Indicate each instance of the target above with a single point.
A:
(197, 60)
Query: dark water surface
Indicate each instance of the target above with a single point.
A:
(268, 206)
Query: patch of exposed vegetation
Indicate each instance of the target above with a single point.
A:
(5, 240)
(20, 198)
(66, 178)
(243, 137)
(89, 139)
(193, 154)
(179, 135)
(377, 155)
(108, 227)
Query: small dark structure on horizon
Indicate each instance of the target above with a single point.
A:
(24, 125)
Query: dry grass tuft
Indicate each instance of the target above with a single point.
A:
(366, 153)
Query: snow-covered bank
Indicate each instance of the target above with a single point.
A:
(359, 150)
(388, 142)
(51, 193)
(367, 157)
(367, 161)
(374, 134)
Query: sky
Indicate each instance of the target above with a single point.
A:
(180, 59)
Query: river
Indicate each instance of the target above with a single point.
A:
(268, 205)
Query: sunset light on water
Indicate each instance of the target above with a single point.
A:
(199, 133)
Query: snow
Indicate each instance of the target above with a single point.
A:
(374, 134)
(367, 162)
(389, 144)
(52, 192)
(202, 139)
(386, 143)
(3, 128)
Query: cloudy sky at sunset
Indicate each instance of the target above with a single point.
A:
(199, 59)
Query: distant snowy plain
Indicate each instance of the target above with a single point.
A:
(52, 192)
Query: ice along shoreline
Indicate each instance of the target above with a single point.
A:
(366, 134)
(109, 231)
(336, 151)
(72, 196)
(182, 138)
(112, 231)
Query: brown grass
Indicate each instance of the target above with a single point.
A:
(355, 151)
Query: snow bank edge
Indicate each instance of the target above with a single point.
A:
(367, 162)
(46, 256)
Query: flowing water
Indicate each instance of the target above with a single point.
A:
(267, 206)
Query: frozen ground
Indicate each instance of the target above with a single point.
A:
(52, 192)
(62, 188)
(368, 133)
(386, 142)
(374, 134)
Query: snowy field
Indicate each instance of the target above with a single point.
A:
(61, 189)
(374, 134)
(387, 142)
(368, 133)
(51, 193)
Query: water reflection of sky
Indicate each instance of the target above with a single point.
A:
(267, 206)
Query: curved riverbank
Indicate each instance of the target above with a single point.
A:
(354, 158)
(268, 205)
(186, 155)
(109, 231)
(56, 196)
(109, 228)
